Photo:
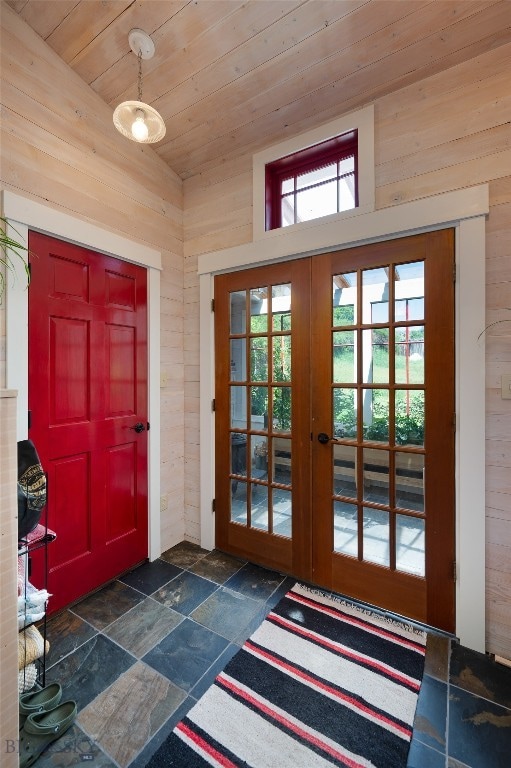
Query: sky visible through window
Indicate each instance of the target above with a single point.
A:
(318, 193)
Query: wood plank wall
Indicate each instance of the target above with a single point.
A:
(447, 132)
(8, 578)
(59, 147)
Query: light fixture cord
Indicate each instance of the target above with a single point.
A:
(140, 74)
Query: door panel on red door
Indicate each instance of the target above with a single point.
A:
(120, 290)
(69, 365)
(71, 520)
(121, 364)
(68, 279)
(121, 463)
(87, 389)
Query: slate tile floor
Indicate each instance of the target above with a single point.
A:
(139, 653)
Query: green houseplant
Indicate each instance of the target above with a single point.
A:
(10, 249)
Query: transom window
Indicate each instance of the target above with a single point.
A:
(313, 182)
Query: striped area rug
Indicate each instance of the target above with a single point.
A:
(320, 683)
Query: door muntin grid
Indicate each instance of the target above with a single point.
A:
(261, 408)
(378, 338)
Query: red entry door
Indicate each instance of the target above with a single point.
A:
(87, 392)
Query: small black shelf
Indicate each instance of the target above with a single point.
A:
(39, 538)
(27, 545)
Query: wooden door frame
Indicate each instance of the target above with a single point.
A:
(464, 210)
(24, 214)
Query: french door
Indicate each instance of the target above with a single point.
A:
(88, 401)
(335, 421)
(262, 443)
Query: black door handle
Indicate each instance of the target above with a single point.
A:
(138, 427)
(323, 438)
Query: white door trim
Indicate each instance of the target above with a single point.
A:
(24, 214)
(466, 211)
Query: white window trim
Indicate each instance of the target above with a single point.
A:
(466, 211)
(24, 214)
(363, 121)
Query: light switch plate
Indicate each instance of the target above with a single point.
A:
(505, 383)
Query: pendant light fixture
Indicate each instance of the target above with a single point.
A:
(134, 119)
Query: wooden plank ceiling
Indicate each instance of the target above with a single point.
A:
(230, 77)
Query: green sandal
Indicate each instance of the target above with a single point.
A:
(42, 728)
(40, 700)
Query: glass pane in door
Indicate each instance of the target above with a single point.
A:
(375, 295)
(410, 545)
(375, 357)
(259, 507)
(238, 401)
(258, 408)
(238, 311)
(376, 536)
(238, 454)
(281, 307)
(376, 475)
(345, 471)
(345, 356)
(409, 417)
(259, 457)
(239, 502)
(238, 359)
(409, 480)
(344, 410)
(282, 358)
(281, 409)
(409, 291)
(258, 358)
(344, 300)
(281, 464)
(409, 354)
(376, 415)
(345, 528)
(282, 508)
(259, 310)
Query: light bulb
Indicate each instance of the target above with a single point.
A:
(139, 129)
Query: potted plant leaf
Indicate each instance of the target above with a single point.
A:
(10, 249)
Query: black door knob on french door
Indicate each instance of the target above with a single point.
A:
(138, 427)
(323, 438)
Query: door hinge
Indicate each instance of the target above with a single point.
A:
(454, 570)
(454, 422)
(213, 505)
(29, 419)
(212, 305)
(213, 405)
(454, 272)
(148, 426)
